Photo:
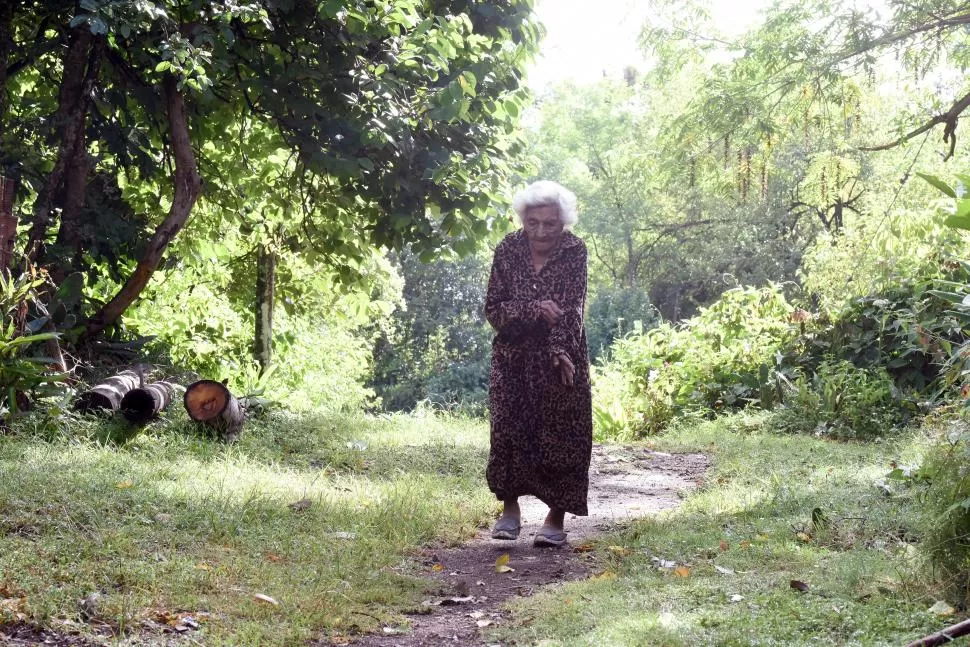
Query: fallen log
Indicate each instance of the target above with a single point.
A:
(144, 403)
(107, 395)
(944, 636)
(212, 405)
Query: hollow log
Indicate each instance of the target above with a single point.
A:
(144, 403)
(212, 405)
(107, 395)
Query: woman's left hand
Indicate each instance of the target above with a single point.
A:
(566, 368)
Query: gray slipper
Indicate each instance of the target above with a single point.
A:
(549, 538)
(507, 528)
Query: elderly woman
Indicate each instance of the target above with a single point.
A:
(539, 392)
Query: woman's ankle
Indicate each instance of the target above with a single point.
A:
(555, 520)
(511, 509)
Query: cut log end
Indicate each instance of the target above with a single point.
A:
(206, 400)
(106, 397)
(212, 405)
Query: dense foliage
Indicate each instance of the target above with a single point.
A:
(435, 349)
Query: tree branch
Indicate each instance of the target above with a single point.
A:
(949, 118)
(188, 187)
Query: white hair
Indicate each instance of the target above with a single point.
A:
(546, 193)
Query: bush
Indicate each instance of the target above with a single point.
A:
(719, 359)
(943, 487)
(843, 401)
(24, 376)
(322, 341)
(857, 374)
(435, 349)
(615, 312)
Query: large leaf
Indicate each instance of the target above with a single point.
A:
(939, 184)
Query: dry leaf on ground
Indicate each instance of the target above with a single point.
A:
(502, 564)
(262, 597)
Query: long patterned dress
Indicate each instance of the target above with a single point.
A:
(542, 431)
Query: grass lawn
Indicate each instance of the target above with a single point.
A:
(732, 551)
(172, 523)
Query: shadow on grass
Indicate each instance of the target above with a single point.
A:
(173, 521)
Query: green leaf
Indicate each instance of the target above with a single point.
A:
(468, 82)
(958, 222)
(939, 184)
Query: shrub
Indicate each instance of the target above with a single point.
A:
(943, 487)
(322, 344)
(615, 312)
(24, 376)
(843, 401)
(719, 359)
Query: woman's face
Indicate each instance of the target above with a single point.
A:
(543, 227)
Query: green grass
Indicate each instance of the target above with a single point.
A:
(174, 522)
(171, 521)
(859, 562)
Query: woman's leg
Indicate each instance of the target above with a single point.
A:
(508, 525)
(555, 519)
(552, 534)
(511, 508)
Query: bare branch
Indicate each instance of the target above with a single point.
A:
(949, 118)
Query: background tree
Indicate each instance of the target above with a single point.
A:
(389, 123)
(437, 345)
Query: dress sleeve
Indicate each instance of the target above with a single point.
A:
(566, 336)
(501, 310)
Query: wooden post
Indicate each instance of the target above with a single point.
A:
(107, 395)
(8, 220)
(211, 404)
(265, 289)
(142, 404)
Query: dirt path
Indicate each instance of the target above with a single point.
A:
(624, 483)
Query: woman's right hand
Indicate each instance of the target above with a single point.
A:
(551, 312)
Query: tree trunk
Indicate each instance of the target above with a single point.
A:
(69, 240)
(107, 396)
(631, 276)
(188, 186)
(6, 44)
(82, 64)
(211, 404)
(142, 404)
(8, 221)
(265, 288)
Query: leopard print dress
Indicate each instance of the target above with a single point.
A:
(541, 430)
